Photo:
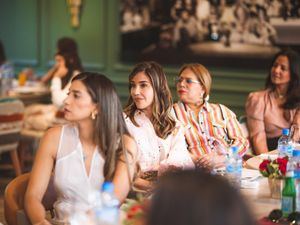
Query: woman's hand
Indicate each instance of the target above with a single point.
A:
(210, 161)
(61, 72)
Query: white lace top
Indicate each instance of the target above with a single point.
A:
(72, 183)
(155, 152)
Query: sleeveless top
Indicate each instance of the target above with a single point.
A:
(72, 183)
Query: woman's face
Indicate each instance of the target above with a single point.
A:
(189, 89)
(78, 105)
(60, 61)
(142, 92)
(280, 72)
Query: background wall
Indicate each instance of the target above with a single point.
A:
(29, 30)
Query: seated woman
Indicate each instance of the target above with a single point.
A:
(66, 69)
(159, 139)
(41, 116)
(210, 129)
(64, 45)
(195, 197)
(94, 147)
(277, 106)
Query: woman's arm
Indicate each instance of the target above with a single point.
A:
(178, 155)
(122, 180)
(40, 176)
(48, 76)
(255, 122)
(296, 127)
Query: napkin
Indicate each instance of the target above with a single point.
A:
(250, 178)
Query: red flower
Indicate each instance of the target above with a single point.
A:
(264, 164)
(133, 211)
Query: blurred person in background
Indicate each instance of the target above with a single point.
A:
(64, 45)
(7, 72)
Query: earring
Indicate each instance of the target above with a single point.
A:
(93, 115)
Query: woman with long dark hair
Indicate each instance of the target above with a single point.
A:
(94, 147)
(277, 106)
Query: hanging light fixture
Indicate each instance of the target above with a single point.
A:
(75, 8)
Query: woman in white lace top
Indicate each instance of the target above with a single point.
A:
(149, 119)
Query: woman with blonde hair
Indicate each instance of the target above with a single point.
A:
(210, 129)
(159, 138)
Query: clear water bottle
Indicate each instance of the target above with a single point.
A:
(109, 213)
(285, 147)
(234, 165)
(296, 167)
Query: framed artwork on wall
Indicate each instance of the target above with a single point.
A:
(218, 33)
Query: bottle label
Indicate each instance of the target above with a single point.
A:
(298, 195)
(287, 204)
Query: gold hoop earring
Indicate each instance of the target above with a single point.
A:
(93, 115)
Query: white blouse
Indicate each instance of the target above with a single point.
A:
(155, 153)
(59, 94)
(73, 185)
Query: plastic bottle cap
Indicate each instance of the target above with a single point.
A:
(108, 187)
(296, 153)
(285, 131)
(234, 149)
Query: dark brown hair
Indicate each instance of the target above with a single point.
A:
(72, 64)
(293, 93)
(109, 126)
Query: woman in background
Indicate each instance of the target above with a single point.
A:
(64, 45)
(94, 147)
(7, 72)
(210, 129)
(195, 197)
(159, 138)
(41, 116)
(277, 106)
(66, 69)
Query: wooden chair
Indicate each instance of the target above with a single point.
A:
(11, 122)
(14, 200)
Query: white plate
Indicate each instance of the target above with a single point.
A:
(254, 162)
(30, 89)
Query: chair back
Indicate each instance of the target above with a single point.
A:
(14, 200)
(11, 122)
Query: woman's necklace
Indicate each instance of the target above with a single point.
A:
(278, 95)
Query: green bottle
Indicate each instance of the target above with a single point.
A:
(288, 200)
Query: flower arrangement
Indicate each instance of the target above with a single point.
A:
(135, 210)
(274, 168)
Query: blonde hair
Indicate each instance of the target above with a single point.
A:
(202, 75)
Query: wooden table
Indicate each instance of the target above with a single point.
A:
(31, 94)
(259, 199)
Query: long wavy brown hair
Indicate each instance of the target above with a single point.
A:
(109, 125)
(161, 119)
